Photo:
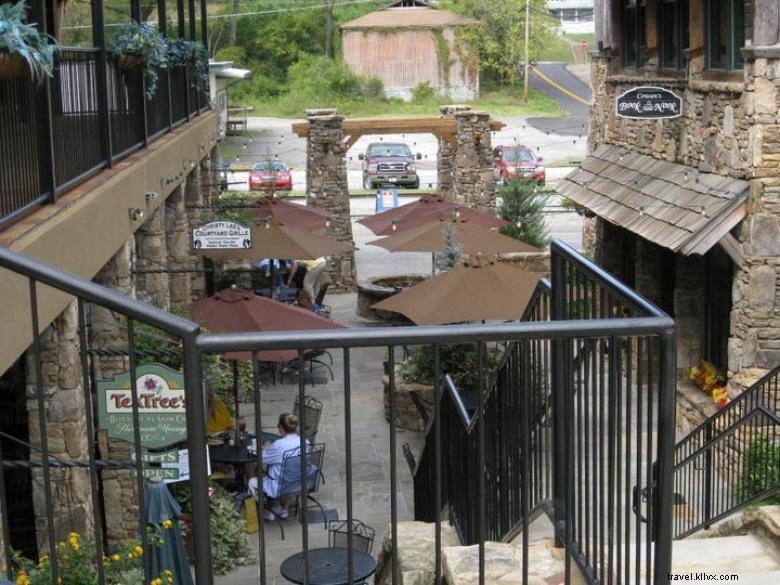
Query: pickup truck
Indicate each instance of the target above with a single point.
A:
(389, 162)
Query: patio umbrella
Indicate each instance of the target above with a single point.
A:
(170, 553)
(300, 217)
(234, 310)
(270, 239)
(472, 238)
(427, 209)
(480, 290)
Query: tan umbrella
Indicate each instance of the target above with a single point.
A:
(481, 290)
(302, 217)
(271, 239)
(472, 238)
(427, 209)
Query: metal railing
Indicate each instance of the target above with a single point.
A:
(511, 435)
(87, 116)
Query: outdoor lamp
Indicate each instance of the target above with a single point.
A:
(395, 227)
(150, 196)
(136, 214)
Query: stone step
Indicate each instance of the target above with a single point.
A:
(725, 554)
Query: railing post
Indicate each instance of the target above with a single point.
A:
(558, 380)
(99, 40)
(183, 35)
(44, 125)
(135, 14)
(708, 472)
(196, 439)
(666, 437)
(164, 31)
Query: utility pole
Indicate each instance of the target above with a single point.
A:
(526, 66)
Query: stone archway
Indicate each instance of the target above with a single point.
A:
(464, 165)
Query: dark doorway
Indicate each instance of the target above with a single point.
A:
(18, 482)
(718, 279)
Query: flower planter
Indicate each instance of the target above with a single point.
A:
(128, 62)
(12, 66)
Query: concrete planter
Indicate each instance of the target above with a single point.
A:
(374, 290)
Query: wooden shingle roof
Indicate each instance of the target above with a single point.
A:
(673, 205)
(419, 16)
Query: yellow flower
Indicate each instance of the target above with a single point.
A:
(167, 524)
(130, 556)
(139, 550)
(156, 582)
(115, 557)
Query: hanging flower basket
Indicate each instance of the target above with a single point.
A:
(128, 62)
(12, 66)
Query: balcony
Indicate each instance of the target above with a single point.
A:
(579, 409)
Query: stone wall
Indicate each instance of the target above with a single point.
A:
(445, 161)
(152, 255)
(473, 173)
(65, 429)
(326, 188)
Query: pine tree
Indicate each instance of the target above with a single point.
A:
(452, 253)
(523, 208)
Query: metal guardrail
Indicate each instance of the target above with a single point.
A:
(550, 466)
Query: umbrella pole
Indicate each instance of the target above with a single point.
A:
(235, 396)
(273, 275)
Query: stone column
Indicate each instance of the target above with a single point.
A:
(474, 183)
(200, 193)
(609, 247)
(602, 107)
(326, 188)
(178, 243)
(689, 310)
(152, 254)
(65, 428)
(445, 161)
(766, 23)
(648, 268)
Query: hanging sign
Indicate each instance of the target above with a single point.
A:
(160, 400)
(221, 235)
(648, 103)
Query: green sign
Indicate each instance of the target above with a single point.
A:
(160, 400)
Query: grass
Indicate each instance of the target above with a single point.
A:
(502, 101)
(561, 48)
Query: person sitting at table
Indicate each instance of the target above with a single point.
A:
(220, 419)
(272, 456)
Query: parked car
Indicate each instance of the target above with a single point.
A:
(389, 162)
(270, 175)
(512, 162)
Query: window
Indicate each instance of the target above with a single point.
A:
(633, 20)
(673, 33)
(725, 34)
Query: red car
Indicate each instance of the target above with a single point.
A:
(512, 162)
(269, 175)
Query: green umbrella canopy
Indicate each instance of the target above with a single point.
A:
(170, 554)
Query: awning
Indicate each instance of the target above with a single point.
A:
(675, 206)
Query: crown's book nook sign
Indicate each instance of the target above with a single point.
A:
(221, 235)
(648, 103)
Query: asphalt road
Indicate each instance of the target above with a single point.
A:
(557, 74)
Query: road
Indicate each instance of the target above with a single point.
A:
(555, 81)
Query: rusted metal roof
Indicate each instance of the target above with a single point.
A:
(408, 17)
(673, 205)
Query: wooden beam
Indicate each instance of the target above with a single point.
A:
(350, 140)
(732, 247)
(301, 129)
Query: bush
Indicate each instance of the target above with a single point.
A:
(458, 360)
(321, 78)
(522, 206)
(423, 92)
(235, 54)
(760, 470)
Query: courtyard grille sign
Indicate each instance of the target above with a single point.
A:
(221, 235)
(648, 103)
(160, 400)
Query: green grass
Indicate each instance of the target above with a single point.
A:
(561, 48)
(503, 101)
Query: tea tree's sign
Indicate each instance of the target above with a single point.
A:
(648, 103)
(221, 235)
(160, 400)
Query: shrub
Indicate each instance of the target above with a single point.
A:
(760, 470)
(423, 92)
(458, 360)
(235, 54)
(523, 207)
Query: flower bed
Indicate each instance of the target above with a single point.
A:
(711, 381)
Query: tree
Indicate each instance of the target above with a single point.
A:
(523, 207)
(329, 27)
(498, 39)
(452, 253)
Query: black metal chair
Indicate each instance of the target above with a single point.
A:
(362, 535)
(312, 413)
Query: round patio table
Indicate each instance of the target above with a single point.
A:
(328, 566)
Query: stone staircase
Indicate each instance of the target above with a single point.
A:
(746, 545)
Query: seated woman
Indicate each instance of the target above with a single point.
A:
(272, 457)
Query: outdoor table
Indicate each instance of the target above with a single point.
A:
(328, 566)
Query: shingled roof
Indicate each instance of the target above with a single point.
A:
(420, 15)
(673, 205)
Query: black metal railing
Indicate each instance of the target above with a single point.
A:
(733, 468)
(492, 460)
(83, 119)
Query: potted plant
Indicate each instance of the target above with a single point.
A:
(182, 52)
(141, 45)
(22, 47)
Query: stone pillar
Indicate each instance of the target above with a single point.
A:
(609, 247)
(152, 254)
(326, 188)
(599, 114)
(648, 268)
(200, 193)
(474, 183)
(178, 243)
(65, 428)
(445, 161)
(689, 310)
